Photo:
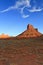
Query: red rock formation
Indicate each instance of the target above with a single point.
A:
(29, 27)
(3, 36)
(30, 32)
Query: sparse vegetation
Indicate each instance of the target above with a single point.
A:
(21, 51)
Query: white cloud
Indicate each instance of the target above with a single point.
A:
(25, 16)
(18, 5)
(24, 2)
(34, 9)
(21, 5)
(6, 9)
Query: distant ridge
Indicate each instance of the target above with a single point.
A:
(4, 36)
(30, 32)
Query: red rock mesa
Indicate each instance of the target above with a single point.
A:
(30, 32)
(3, 36)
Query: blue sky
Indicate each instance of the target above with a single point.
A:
(15, 15)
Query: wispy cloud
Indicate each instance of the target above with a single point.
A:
(18, 5)
(10, 8)
(34, 9)
(21, 5)
(25, 16)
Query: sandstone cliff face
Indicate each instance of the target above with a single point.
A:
(30, 32)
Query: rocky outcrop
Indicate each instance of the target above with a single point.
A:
(30, 32)
(4, 36)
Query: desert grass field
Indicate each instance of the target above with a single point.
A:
(15, 51)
